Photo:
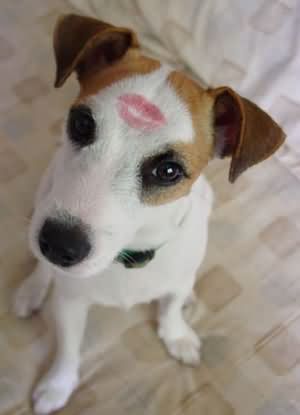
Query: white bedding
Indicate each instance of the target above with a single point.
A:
(253, 46)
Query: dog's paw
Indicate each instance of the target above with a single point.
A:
(29, 297)
(53, 394)
(185, 348)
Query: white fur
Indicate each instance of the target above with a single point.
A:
(99, 185)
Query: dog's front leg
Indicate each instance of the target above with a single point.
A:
(179, 338)
(55, 388)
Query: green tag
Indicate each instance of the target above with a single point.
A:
(135, 259)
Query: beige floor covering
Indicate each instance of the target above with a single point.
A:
(250, 280)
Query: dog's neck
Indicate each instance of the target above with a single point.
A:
(146, 243)
(162, 227)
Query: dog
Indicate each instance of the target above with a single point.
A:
(121, 215)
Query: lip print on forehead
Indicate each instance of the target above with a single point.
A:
(139, 113)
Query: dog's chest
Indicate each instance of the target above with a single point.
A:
(122, 287)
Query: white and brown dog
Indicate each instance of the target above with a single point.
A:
(122, 212)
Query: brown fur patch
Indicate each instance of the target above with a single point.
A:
(132, 63)
(200, 106)
(195, 155)
(194, 162)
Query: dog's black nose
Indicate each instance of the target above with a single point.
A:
(63, 244)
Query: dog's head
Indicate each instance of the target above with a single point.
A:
(135, 140)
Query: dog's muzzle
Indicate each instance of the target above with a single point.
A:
(64, 243)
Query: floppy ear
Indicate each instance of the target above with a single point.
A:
(84, 45)
(242, 131)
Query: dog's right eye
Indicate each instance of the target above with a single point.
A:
(81, 126)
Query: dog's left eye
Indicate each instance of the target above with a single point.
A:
(162, 171)
(81, 126)
(167, 172)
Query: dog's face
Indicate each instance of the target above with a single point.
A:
(134, 142)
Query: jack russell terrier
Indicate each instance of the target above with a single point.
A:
(121, 215)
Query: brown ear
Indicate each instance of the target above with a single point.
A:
(84, 44)
(242, 131)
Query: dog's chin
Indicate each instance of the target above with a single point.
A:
(76, 272)
(85, 270)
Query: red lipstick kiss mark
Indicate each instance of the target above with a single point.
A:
(139, 113)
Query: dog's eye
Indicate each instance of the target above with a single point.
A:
(162, 171)
(81, 126)
(167, 172)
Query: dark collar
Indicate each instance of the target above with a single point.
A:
(135, 259)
